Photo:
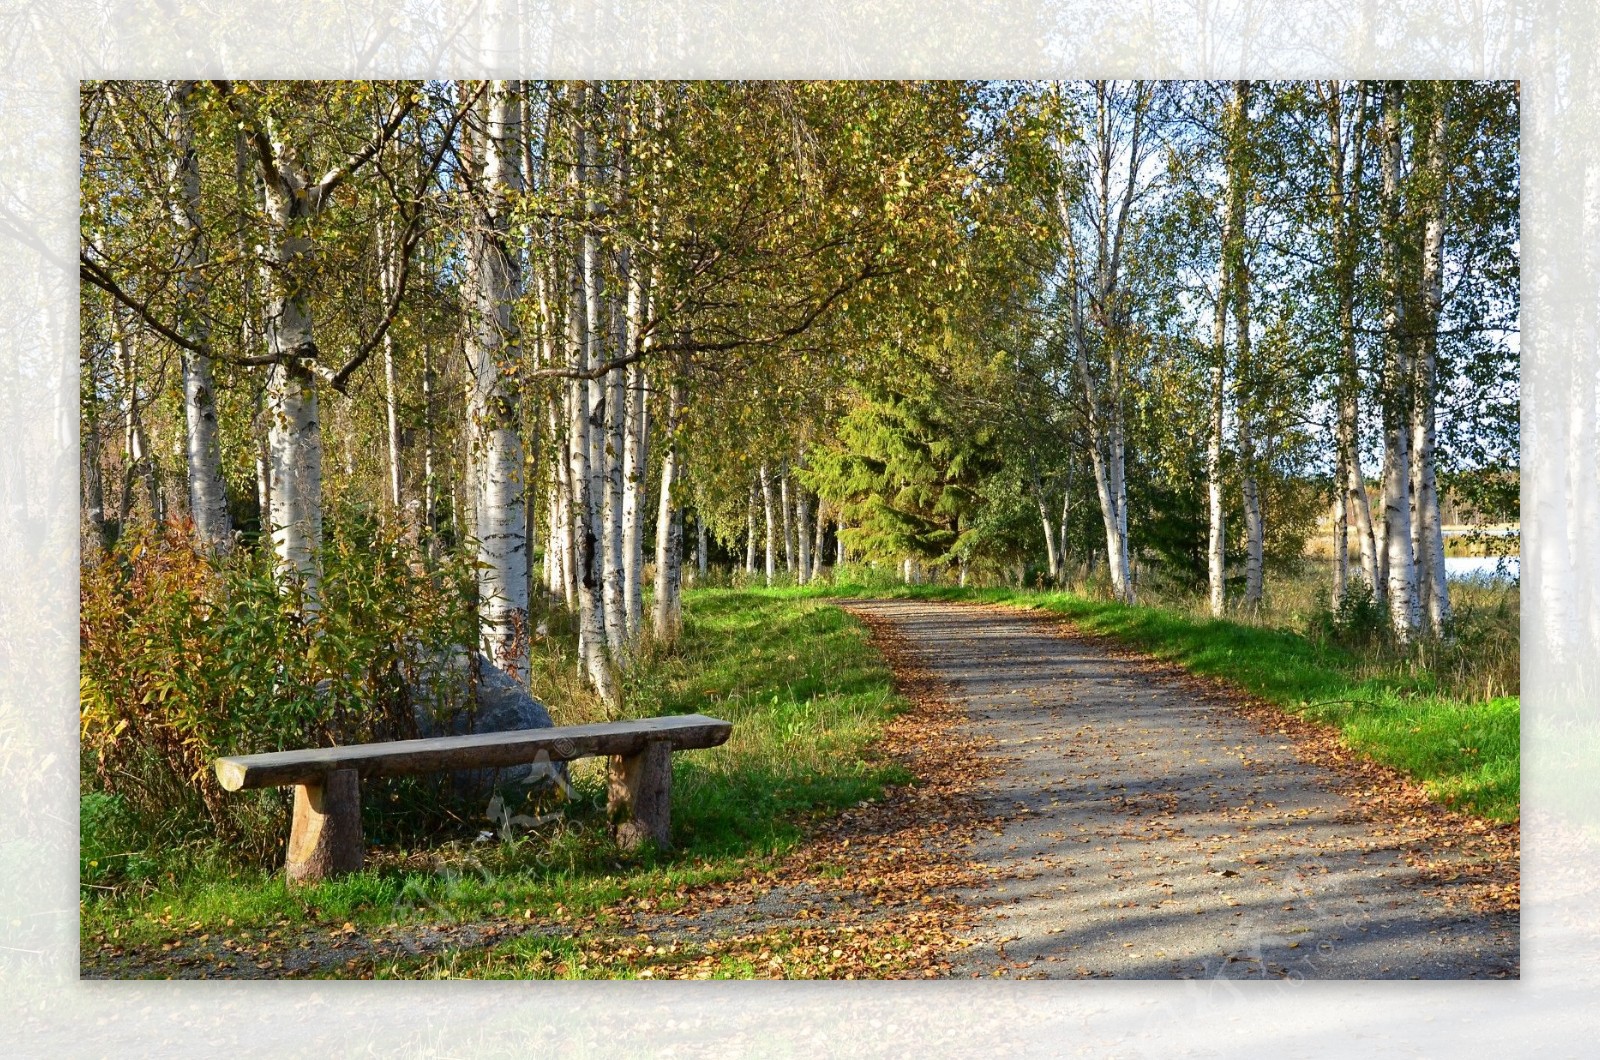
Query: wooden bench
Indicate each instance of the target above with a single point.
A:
(325, 839)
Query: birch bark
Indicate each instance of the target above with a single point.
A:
(669, 525)
(788, 521)
(766, 503)
(586, 547)
(1401, 560)
(802, 519)
(1347, 156)
(1429, 528)
(492, 407)
(208, 495)
(750, 531)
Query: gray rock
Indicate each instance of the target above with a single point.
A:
(500, 705)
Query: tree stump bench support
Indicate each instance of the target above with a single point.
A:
(325, 839)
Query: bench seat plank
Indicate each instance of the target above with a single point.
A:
(486, 750)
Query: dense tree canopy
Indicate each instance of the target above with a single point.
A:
(1006, 327)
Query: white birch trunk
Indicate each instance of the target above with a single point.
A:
(802, 520)
(634, 465)
(1051, 555)
(702, 560)
(586, 546)
(788, 521)
(1216, 538)
(208, 496)
(388, 270)
(492, 353)
(430, 500)
(1429, 528)
(615, 601)
(750, 532)
(94, 499)
(669, 527)
(1401, 560)
(294, 436)
(816, 546)
(766, 503)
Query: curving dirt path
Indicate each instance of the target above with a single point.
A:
(1146, 827)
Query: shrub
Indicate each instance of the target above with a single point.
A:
(185, 658)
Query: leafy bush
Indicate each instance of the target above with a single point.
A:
(185, 658)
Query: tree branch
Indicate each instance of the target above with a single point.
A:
(94, 273)
(337, 175)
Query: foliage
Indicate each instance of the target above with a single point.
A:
(808, 697)
(904, 474)
(185, 658)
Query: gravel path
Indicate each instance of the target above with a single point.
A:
(1147, 830)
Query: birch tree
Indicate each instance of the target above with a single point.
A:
(1103, 179)
(1346, 165)
(1401, 577)
(492, 287)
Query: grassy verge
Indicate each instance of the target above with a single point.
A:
(1389, 706)
(807, 696)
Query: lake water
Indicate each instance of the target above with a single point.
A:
(1482, 568)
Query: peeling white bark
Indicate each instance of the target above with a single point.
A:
(492, 352)
(669, 527)
(208, 496)
(771, 527)
(1401, 560)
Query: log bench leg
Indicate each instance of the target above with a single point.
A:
(639, 796)
(325, 839)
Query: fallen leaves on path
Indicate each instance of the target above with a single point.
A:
(871, 894)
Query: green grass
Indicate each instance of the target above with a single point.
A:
(807, 696)
(1391, 706)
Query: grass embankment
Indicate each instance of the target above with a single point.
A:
(807, 695)
(1412, 709)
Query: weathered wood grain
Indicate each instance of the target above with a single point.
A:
(639, 796)
(473, 751)
(325, 839)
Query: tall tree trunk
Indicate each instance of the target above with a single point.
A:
(1345, 204)
(616, 600)
(1216, 539)
(208, 495)
(138, 464)
(586, 546)
(788, 521)
(1429, 527)
(493, 353)
(94, 497)
(430, 500)
(702, 560)
(1052, 554)
(1240, 186)
(388, 277)
(1229, 262)
(635, 463)
(817, 561)
(294, 436)
(750, 532)
(1401, 561)
(802, 525)
(669, 524)
(766, 503)
(1110, 484)
(622, 316)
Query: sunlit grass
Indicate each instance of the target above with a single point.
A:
(1446, 712)
(807, 696)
